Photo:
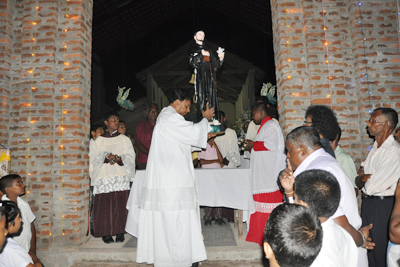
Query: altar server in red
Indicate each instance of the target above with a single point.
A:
(267, 160)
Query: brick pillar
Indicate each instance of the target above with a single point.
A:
(333, 76)
(5, 65)
(58, 194)
(380, 27)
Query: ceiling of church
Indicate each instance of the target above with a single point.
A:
(133, 20)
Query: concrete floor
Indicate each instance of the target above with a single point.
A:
(96, 253)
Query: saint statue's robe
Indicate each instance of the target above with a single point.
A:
(169, 225)
(205, 85)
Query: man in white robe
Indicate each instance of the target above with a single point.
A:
(169, 225)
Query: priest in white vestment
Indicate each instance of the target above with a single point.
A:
(169, 225)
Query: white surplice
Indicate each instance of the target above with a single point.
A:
(169, 225)
(266, 165)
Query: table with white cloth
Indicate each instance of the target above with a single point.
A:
(228, 188)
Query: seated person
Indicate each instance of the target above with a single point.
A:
(211, 157)
(13, 254)
(292, 236)
(319, 191)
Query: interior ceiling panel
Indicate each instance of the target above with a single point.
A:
(133, 19)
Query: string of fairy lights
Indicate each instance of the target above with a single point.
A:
(289, 60)
(326, 43)
(365, 56)
(31, 120)
(398, 22)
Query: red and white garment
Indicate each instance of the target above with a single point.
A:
(267, 160)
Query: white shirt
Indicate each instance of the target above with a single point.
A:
(383, 164)
(348, 206)
(24, 239)
(338, 247)
(229, 148)
(14, 255)
(252, 130)
(266, 165)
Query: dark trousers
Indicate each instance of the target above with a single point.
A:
(377, 212)
(142, 166)
(110, 213)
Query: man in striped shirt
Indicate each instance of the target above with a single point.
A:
(377, 177)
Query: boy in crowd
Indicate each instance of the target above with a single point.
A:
(319, 191)
(95, 131)
(292, 236)
(13, 187)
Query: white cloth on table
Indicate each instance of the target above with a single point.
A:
(383, 164)
(217, 188)
(266, 165)
(14, 255)
(338, 247)
(24, 239)
(108, 178)
(229, 147)
(348, 206)
(169, 226)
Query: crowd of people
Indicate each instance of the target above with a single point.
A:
(305, 188)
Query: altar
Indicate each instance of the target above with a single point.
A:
(217, 188)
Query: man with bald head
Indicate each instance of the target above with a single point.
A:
(304, 152)
(378, 176)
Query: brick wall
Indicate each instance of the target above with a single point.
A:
(60, 76)
(312, 79)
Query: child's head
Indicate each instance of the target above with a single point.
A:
(318, 190)
(96, 130)
(3, 228)
(292, 236)
(122, 127)
(111, 121)
(12, 185)
(13, 218)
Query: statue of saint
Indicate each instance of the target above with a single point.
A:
(205, 65)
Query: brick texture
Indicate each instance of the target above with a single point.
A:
(308, 72)
(60, 76)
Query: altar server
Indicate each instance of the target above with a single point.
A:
(267, 160)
